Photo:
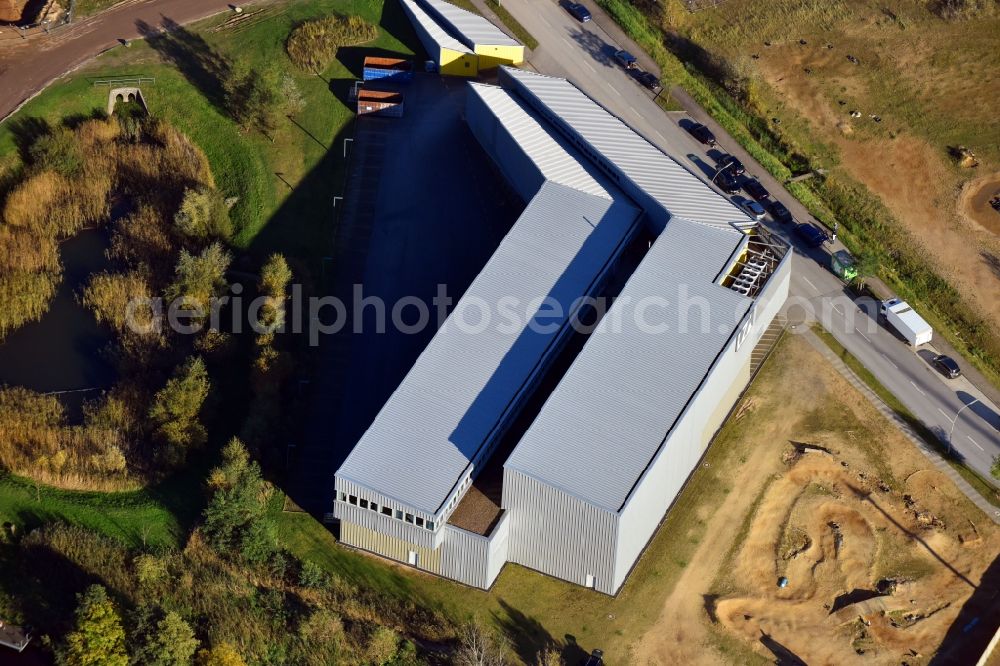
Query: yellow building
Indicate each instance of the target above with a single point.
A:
(459, 42)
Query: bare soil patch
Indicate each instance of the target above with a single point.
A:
(879, 550)
(975, 202)
(912, 177)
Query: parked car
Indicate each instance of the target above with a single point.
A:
(753, 209)
(578, 11)
(596, 658)
(946, 366)
(756, 190)
(702, 133)
(731, 165)
(626, 59)
(780, 213)
(811, 234)
(727, 182)
(648, 80)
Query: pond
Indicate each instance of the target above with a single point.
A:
(64, 351)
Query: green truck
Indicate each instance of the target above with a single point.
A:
(842, 264)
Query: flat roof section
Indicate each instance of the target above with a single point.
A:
(548, 150)
(426, 25)
(464, 384)
(677, 190)
(471, 28)
(620, 398)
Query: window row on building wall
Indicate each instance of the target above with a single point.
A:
(457, 497)
(397, 514)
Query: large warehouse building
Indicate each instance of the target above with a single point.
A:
(459, 42)
(596, 470)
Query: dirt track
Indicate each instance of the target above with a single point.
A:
(27, 66)
(835, 522)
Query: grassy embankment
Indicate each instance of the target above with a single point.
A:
(866, 225)
(982, 486)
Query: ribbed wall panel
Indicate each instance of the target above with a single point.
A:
(389, 546)
(378, 521)
(463, 556)
(431, 35)
(658, 488)
(557, 534)
(499, 548)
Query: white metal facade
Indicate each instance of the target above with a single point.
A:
(472, 29)
(431, 34)
(596, 471)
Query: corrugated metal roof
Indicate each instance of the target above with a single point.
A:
(679, 191)
(613, 408)
(471, 28)
(549, 150)
(463, 383)
(429, 29)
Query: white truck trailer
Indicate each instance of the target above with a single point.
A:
(905, 319)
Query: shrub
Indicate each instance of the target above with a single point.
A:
(98, 636)
(236, 519)
(108, 295)
(199, 278)
(170, 642)
(312, 45)
(203, 215)
(253, 100)
(176, 409)
(57, 151)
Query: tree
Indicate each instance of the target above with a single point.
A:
(203, 215)
(198, 278)
(867, 265)
(274, 278)
(236, 519)
(170, 642)
(98, 638)
(995, 468)
(176, 408)
(480, 647)
(254, 100)
(222, 654)
(289, 89)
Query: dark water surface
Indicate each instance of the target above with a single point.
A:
(64, 350)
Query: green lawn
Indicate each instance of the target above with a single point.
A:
(157, 517)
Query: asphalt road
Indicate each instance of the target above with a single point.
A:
(27, 66)
(582, 53)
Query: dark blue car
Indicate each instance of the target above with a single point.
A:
(578, 11)
(811, 234)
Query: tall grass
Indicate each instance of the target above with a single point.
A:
(312, 45)
(36, 441)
